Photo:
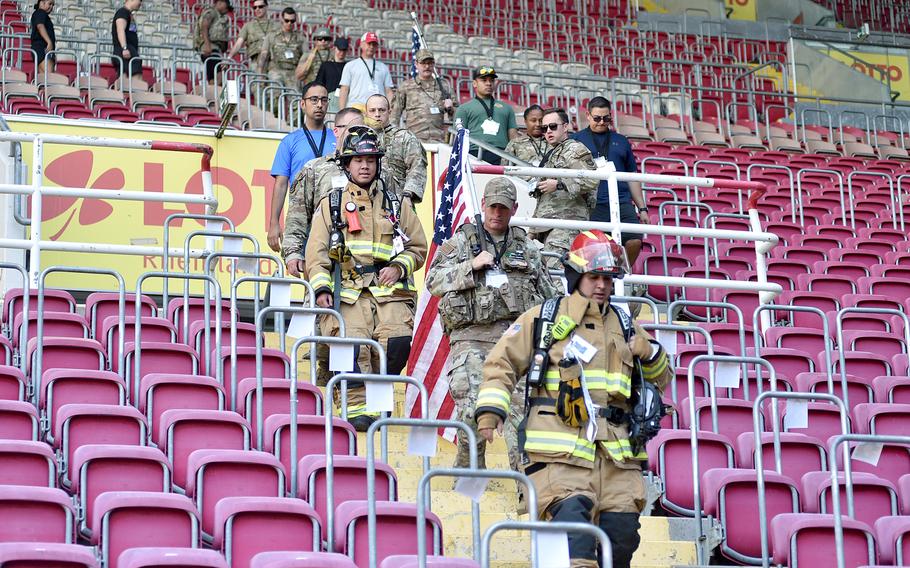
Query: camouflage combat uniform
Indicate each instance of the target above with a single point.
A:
(476, 315)
(531, 150)
(218, 29)
(407, 161)
(418, 100)
(573, 200)
(253, 34)
(284, 52)
(320, 56)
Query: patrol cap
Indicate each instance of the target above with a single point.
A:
(369, 37)
(322, 32)
(485, 71)
(423, 55)
(499, 191)
(342, 43)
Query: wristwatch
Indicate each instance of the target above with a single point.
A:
(643, 209)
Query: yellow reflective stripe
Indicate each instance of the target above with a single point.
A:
(355, 410)
(350, 293)
(491, 396)
(383, 291)
(621, 450)
(382, 250)
(613, 383)
(584, 449)
(360, 247)
(651, 371)
(407, 263)
(559, 442)
(319, 280)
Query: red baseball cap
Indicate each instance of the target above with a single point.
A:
(369, 37)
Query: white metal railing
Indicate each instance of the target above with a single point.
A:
(37, 190)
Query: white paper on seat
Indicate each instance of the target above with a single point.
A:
(868, 452)
(797, 414)
(727, 375)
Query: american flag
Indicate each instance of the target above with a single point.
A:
(415, 45)
(428, 361)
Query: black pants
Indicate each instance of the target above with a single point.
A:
(131, 66)
(490, 157)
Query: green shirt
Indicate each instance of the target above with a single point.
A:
(474, 113)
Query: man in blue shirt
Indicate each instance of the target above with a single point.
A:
(607, 145)
(314, 140)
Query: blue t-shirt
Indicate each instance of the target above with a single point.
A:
(619, 152)
(296, 149)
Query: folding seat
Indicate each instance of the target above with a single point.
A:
(411, 561)
(78, 425)
(893, 462)
(301, 560)
(175, 311)
(56, 324)
(27, 463)
(785, 230)
(275, 364)
(859, 389)
(893, 389)
(155, 330)
(787, 363)
(903, 489)
(900, 364)
(685, 353)
(807, 339)
(173, 358)
(653, 264)
(789, 267)
(98, 468)
(276, 398)
(310, 437)
(893, 287)
(54, 301)
(859, 255)
(674, 447)
(66, 353)
(246, 526)
(726, 335)
(823, 419)
(817, 241)
(156, 557)
(135, 519)
(879, 247)
(862, 363)
(892, 534)
(808, 539)
(800, 453)
(820, 300)
(894, 271)
(880, 342)
(213, 475)
(18, 420)
(836, 232)
(396, 522)
(101, 305)
(77, 386)
(47, 555)
(35, 514)
(860, 321)
(827, 283)
(246, 336)
(349, 474)
(12, 383)
(160, 392)
(182, 431)
(734, 416)
(731, 496)
(886, 419)
(873, 497)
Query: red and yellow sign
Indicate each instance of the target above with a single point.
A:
(877, 65)
(741, 9)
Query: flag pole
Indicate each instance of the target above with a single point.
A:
(468, 173)
(423, 44)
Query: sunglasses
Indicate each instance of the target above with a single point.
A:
(323, 39)
(290, 21)
(259, 6)
(606, 118)
(552, 127)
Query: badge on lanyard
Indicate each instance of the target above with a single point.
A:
(490, 127)
(397, 245)
(600, 162)
(496, 278)
(434, 110)
(288, 54)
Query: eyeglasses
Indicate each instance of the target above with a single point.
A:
(259, 6)
(552, 127)
(317, 100)
(294, 21)
(605, 118)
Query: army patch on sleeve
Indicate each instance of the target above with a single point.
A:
(513, 329)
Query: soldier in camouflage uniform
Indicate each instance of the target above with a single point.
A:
(282, 51)
(532, 146)
(308, 68)
(404, 154)
(566, 198)
(425, 101)
(485, 279)
(253, 33)
(211, 38)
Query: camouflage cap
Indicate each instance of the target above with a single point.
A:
(322, 32)
(423, 55)
(500, 191)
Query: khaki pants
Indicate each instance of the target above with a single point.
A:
(557, 241)
(390, 323)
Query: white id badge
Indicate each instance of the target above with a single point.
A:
(600, 162)
(496, 278)
(581, 347)
(434, 110)
(490, 127)
(289, 54)
(397, 245)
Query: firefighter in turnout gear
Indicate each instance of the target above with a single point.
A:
(361, 255)
(486, 277)
(586, 364)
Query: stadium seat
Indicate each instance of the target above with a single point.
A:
(154, 330)
(56, 324)
(27, 463)
(671, 450)
(67, 353)
(859, 389)
(275, 364)
(60, 387)
(808, 540)
(276, 399)
(18, 420)
(98, 468)
(183, 431)
(862, 363)
(799, 453)
(893, 537)
(47, 555)
(134, 519)
(174, 358)
(246, 336)
(246, 526)
(893, 462)
(301, 560)
(395, 521)
(35, 514)
(895, 389)
(175, 310)
(54, 301)
(873, 497)
(734, 416)
(157, 557)
(888, 419)
(12, 383)
(101, 305)
(787, 363)
(160, 392)
(350, 475)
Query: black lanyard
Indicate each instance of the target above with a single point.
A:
(372, 73)
(317, 152)
(498, 253)
(537, 146)
(602, 151)
(430, 94)
(484, 105)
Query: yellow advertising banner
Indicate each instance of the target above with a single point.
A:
(242, 185)
(896, 66)
(741, 9)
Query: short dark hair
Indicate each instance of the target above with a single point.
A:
(563, 115)
(346, 111)
(381, 96)
(531, 109)
(599, 102)
(306, 88)
(289, 10)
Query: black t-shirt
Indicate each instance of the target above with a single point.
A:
(132, 38)
(330, 74)
(39, 16)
